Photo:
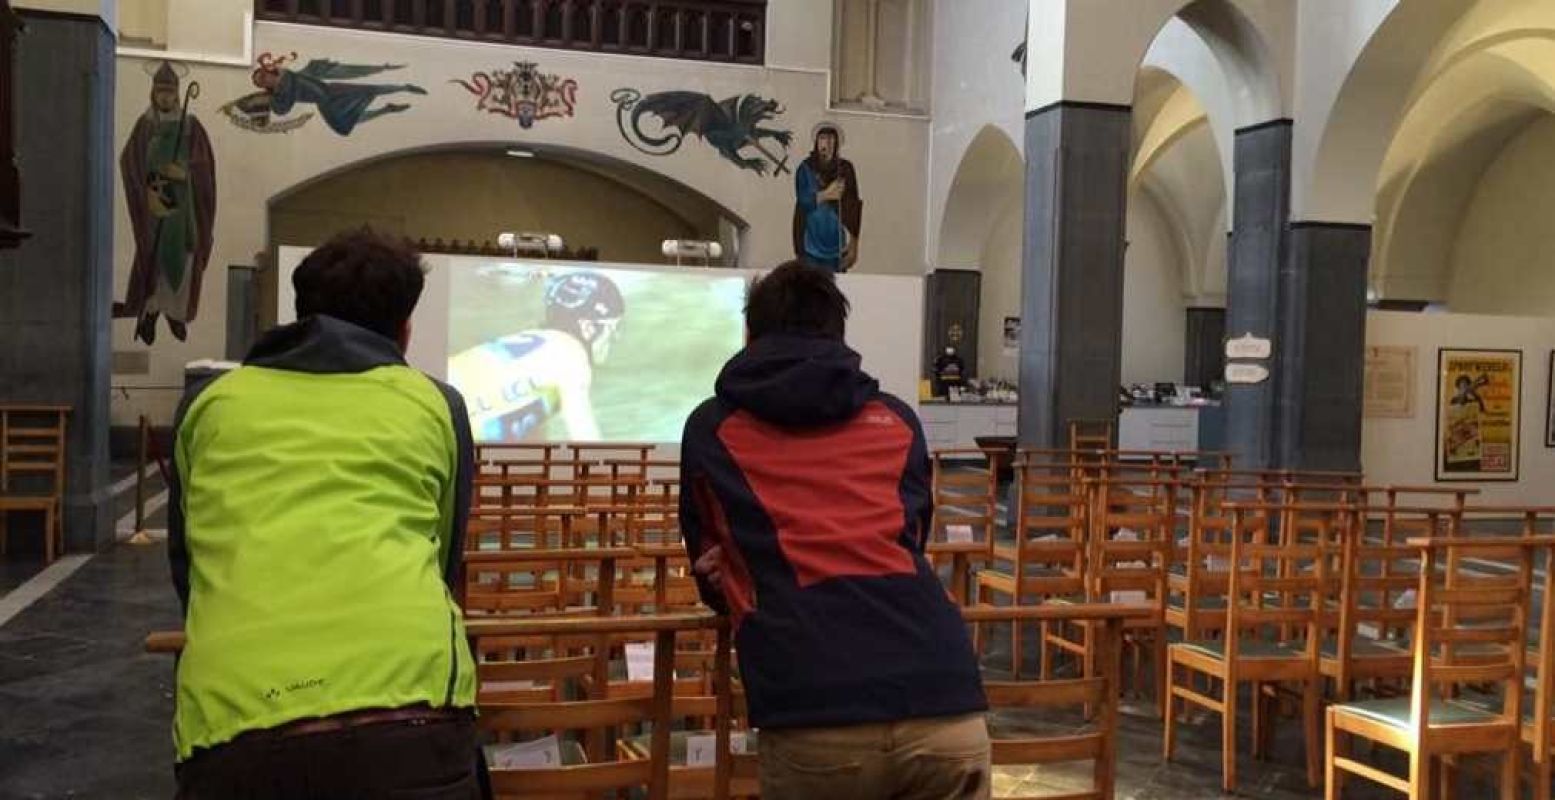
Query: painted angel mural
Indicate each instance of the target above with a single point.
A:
(322, 83)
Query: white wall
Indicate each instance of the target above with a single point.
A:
(1154, 316)
(1506, 247)
(254, 168)
(1401, 451)
(1001, 268)
(975, 84)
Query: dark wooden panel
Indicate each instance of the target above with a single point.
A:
(953, 301)
(706, 30)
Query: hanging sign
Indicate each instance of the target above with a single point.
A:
(1248, 346)
(1246, 373)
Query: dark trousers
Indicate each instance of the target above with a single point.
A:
(421, 760)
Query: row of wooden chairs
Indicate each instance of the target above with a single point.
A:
(650, 762)
(1352, 614)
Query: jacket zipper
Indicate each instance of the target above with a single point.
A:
(453, 658)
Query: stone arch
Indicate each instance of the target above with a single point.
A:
(1482, 99)
(989, 178)
(1249, 39)
(639, 178)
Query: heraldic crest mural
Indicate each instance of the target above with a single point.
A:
(522, 93)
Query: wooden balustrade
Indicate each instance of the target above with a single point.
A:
(732, 31)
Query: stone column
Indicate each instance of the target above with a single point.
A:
(1077, 160)
(1261, 209)
(55, 290)
(1322, 346)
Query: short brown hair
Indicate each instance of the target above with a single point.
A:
(361, 277)
(796, 298)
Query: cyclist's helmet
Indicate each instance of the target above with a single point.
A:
(587, 305)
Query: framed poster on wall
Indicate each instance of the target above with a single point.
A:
(1477, 414)
(1549, 405)
(1390, 382)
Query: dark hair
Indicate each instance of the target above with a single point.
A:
(362, 277)
(796, 298)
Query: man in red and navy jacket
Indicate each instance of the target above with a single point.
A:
(805, 505)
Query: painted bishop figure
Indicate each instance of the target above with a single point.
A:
(169, 177)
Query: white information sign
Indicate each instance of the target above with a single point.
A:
(1249, 346)
(538, 754)
(1246, 373)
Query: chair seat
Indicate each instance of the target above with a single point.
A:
(1394, 711)
(1366, 647)
(27, 502)
(1211, 603)
(1246, 648)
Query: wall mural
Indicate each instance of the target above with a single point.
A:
(321, 84)
(730, 125)
(169, 173)
(828, 209)
(523, 93)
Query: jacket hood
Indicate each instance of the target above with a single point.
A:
(323, 344)
(797, 381)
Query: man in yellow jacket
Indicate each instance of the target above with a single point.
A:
(317, 523)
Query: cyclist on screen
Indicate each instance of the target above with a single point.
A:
(514, 384)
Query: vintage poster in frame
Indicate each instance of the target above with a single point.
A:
(1549, 405)
(1477, 414)
(1390, 381)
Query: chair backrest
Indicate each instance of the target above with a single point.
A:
(1051, 522)
(1543, 718)
(964, 495)
(594, 722)
(542, 580)
(32, 450)
(1097, 688)
(1280, 590)
(1130, 540)
(1472, 620)
(1380, 578)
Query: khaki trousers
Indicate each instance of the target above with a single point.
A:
(942, 758)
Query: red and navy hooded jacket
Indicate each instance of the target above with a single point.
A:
(817, 485)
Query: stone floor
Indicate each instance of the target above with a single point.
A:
(85, 714)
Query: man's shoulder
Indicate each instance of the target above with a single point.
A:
(706, 417)
(897, 406)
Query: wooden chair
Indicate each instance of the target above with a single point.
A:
(1538, 729)
(1198, 574)
(1047, 558)
(1129, 540)
(32, 470)
(1096, 689)
(1271, 588)
(1470, 628)
(966, 498)
(1379, 576)
(1090, 434)
(595, 719)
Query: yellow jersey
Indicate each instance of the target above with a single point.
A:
(514, 384)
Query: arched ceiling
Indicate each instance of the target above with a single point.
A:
(1477, 101)
(989, 180)
(1416, 45)
(1091, 50)
(1177, 170)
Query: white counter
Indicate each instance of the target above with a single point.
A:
(947, 425)
(1158, 428)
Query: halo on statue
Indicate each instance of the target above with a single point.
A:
(829, 125)
(179, 68)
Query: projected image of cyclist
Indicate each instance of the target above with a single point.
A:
(516, 383)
